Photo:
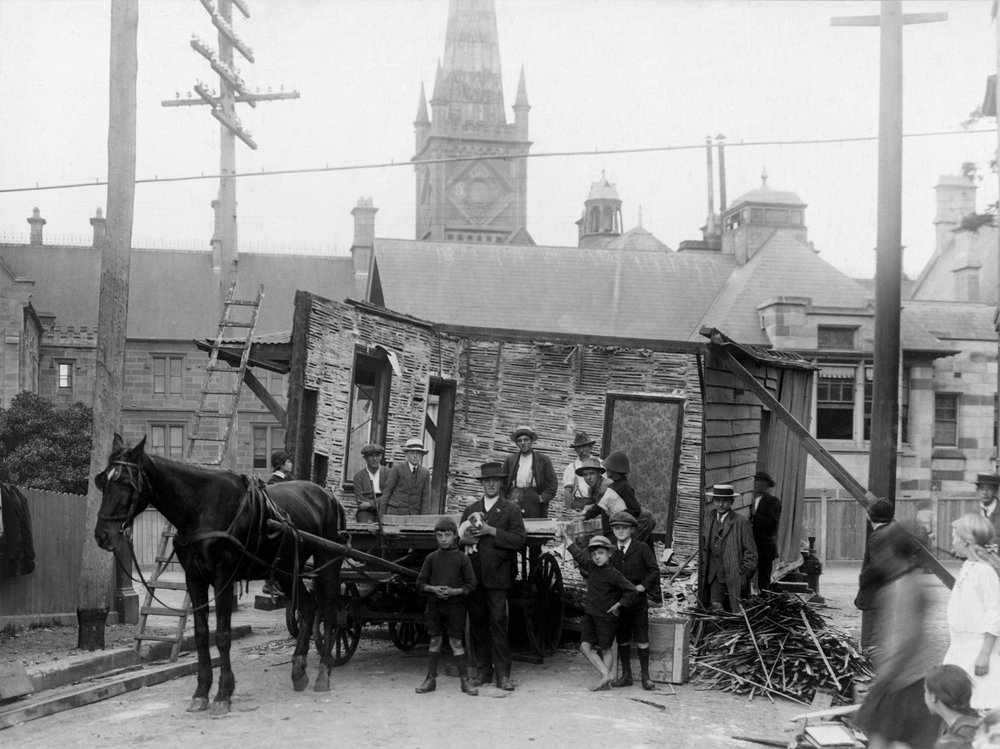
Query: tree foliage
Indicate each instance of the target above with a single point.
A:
(45, 447)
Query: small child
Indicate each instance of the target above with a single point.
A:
(446, 578)
(607, 592)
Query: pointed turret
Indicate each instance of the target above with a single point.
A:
(422, 124)
(521, 108)
(472, 80)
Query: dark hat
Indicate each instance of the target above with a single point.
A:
(764, 477)
(446, 523)
(623, 518)
(492, 470)
(589, 464)
(523, 429)
(600, 542)
(371, 449)
(581, 439)
(721, 491)
(278, 458)
(881, 511)
(990, 479)
(414, 444)
(617, 462)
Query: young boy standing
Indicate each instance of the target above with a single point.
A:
(607, 592)
(446, 578)
(637, 563)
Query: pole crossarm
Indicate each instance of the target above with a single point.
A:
(908, 18)
(213, 100)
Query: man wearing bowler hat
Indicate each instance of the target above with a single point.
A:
(368, 482)
(575, 489)
(987, 487)
(281, 467)
(765, 516)
(494, 561)
(728, 553)
(530, 478)
(408, 486)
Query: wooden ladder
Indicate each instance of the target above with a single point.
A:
(238, 314)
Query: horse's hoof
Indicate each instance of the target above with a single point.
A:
(219, 708)
(198, 705)
(322, 682)
(299, 683)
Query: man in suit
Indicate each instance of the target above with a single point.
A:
(368, 483)
(765, 516)
(530, 478)
(407, 488)
(728, 553)
(987, 487)
(495, 564)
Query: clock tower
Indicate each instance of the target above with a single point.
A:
(473, 188)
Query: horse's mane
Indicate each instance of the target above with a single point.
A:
(193, 470)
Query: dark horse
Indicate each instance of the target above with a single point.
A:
(222, 537)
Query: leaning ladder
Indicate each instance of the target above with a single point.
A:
(225, 382)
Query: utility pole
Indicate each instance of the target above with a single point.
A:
(889, 249)
(112, 316)
(232, 91)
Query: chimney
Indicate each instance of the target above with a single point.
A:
(100, 225)
(710, 230)
(363, 247)
(721, 140)
(956, 198)
(37, 222)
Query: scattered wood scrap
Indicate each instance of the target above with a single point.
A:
(779, 646)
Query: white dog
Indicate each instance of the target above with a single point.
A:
(475, 521)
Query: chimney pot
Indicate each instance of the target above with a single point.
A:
(100, 225)
(37, 222)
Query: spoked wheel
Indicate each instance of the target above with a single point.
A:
(406, 635)
(346, 630)
(544, 607)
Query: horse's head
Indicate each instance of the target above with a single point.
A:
(125, 489)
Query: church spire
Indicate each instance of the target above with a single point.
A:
(422, 118)
(472, 79)
(522, 92)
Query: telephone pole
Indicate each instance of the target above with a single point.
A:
(889, 249)
(232, 91)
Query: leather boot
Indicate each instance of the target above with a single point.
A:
(625, 658)
(429, 685)
(467, 686)
(483, 677)
(647, 682)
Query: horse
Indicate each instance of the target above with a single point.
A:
(222, 537)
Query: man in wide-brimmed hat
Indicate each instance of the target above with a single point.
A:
(494, 561)
(408, 486)
(530, 478)
(575, 489)
(765, 516)
(728, 553)
(987, 487)
(368, 482)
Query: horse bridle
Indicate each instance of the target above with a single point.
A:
(134, 477)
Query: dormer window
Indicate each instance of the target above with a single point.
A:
(835, 337)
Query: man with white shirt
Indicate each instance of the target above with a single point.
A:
(368, 482)
(530, 478)
(987, 487)
(497, 542)
(575, 489)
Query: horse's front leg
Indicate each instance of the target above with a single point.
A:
(223, 587)
(198, 590)
(306, 613)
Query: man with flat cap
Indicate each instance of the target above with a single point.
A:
(765, 516)
(575, 489)
(728, 553)
(494, 561)
(368, 483)
(987, 487)
(530, 479)
(407, 489)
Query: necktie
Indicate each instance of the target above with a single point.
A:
(621, 548)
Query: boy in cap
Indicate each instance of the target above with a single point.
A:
(281, 467)
(637, 563)
(368, 482)
(408, 486)
(446, 578)
(607, 592)
(496, 542)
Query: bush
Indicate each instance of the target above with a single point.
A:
(45, 447)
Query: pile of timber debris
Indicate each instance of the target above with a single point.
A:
(779, 646)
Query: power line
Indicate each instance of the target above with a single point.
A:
(453, 159)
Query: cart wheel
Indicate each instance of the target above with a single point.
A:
(346, 629)
(406, 635)
(544, 609)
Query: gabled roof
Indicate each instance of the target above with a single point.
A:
(638, 239)
(171, 292)
(937, 278)
(629, 294)
(966, 321)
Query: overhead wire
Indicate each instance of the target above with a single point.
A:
(453, 159)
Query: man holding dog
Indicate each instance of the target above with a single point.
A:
(494, 562)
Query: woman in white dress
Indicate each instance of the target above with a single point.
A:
(974, 610)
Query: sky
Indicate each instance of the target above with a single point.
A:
(601, 75)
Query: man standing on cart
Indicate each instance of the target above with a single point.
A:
(530, 480)
(496, 543)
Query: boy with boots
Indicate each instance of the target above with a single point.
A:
(446, 577)
(637, 563)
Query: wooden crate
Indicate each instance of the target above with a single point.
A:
(669, 641)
